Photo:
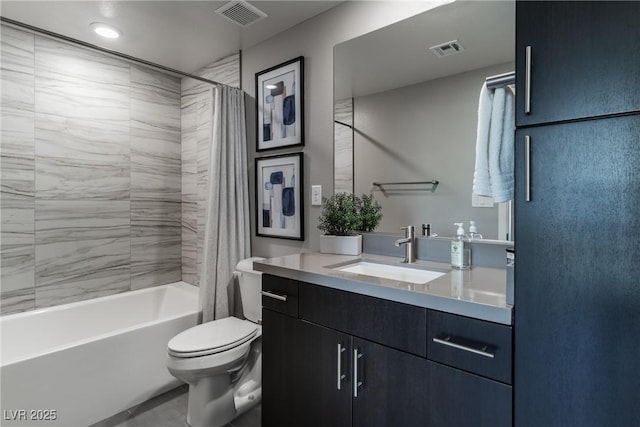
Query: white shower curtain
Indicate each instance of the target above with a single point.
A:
(226, 239)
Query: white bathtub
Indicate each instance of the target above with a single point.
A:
(76, 364)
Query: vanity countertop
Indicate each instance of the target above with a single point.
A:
(479, 292)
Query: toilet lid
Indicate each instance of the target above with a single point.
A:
(212, 337)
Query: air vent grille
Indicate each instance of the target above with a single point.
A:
(241, 12)
(446, 49)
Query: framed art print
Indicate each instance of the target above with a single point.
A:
(280, 105)
(279, 196)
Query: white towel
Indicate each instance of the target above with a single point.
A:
(501, 150)
(493, 175)
(481, 181)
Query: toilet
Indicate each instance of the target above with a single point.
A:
(222, 360)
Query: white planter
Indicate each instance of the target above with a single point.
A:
(341, 245)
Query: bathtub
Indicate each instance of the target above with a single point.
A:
(76, 364)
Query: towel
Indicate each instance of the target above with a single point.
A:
(493, 175)
(481, 180)
(501, 149)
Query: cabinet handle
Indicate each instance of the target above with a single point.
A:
(341, 376)
(448, 341)
(274, 296)
(356, 384)
(527, 168)
(527, 81)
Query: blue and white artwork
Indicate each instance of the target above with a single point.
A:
(279, 91)
(279, 108)
(278, 190)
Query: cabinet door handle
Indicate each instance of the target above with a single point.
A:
(527, 168)
(341, 376)
(527, 81)
(356, 384)
(274, 295)
(448, 341)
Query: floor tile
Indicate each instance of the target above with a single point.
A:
(170, 410)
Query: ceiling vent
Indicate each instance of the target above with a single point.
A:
(446, 49)
(241, 12)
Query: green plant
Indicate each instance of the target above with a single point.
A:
(344, 213)
(339, 215)
(370, 213)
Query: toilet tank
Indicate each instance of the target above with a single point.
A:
(250, 282)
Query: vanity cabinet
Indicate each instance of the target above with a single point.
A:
(577, 201)
(580, 59)
(355, 360)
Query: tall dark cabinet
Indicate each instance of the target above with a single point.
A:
(577, 207)
(584, 59)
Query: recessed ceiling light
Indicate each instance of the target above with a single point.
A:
(106, 31)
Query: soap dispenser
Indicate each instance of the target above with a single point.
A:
(473, 231)
(460, 249)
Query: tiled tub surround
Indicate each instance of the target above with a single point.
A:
(197, 111)
(343, 146)
(479, 292)
(50, 361)
(17, 168)
(91, 174)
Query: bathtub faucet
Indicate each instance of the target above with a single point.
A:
(409, 242)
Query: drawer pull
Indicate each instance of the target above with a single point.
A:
(341, 376)
(448, 341)
(527, 168)
(527, 81)
(274, 296)
(356, 384)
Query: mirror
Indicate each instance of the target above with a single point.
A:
(404, 114)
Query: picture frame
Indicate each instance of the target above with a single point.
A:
(279, 196)
(280, 106)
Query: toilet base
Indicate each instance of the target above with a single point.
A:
(217, 400)
(211, 402)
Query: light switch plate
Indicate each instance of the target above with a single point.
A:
(316, 195)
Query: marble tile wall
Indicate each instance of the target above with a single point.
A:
(343, 146)
(197, 111)
(189, 220)
(17, 171)
(91, 174)
(156, 182)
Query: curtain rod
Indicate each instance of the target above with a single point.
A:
(501, 80)
(124, 56)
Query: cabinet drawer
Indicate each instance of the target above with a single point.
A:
(394, 324)
(470, 344)
(280, 294)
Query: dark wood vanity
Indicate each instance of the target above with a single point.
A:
(338, 358)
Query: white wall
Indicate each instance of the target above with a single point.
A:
(314, 39)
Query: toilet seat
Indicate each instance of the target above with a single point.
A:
(212, 337)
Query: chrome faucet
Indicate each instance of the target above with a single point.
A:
(409, 244)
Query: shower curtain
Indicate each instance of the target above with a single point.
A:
(227, 238)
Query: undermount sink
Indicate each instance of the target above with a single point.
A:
(387, 271)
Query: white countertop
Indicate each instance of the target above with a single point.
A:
(479, 292)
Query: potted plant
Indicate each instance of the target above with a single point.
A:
(342, 215)
(369, 212)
